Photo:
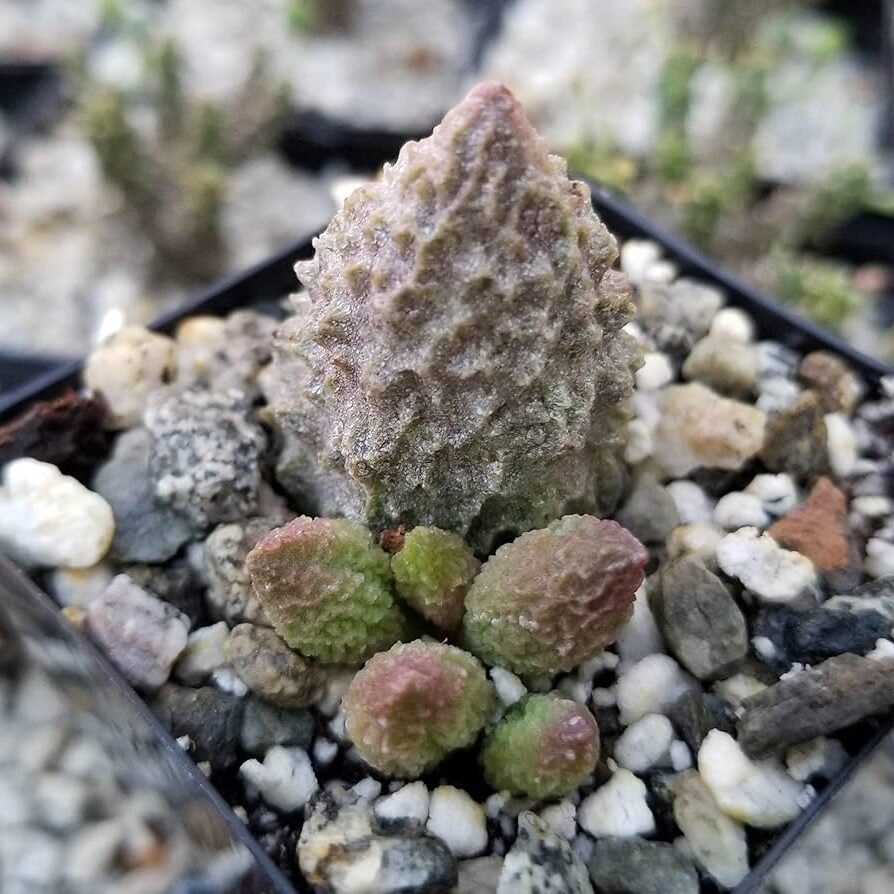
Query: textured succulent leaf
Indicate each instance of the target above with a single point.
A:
(542, 748)
(553, 598)
(411, 706)
(432, 572)
(326, 587)
(457, 359)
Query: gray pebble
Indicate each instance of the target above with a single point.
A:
(264, 726)
(145, 530)
(811, 636)
(699, 619)
(212, 719)
(695, 713)
(635, 866)
(650, 512)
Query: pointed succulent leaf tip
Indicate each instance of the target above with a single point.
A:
(542, 748)
(553, 598)
(326, 588)
(432, 572)
(457, 359)
(409, 707)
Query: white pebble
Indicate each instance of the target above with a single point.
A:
(680, 755)
(367, 788)
(227, 680)
(655, 373)
(575, 689)
(758, 793)
(772, 573)
(617, 809)
(645, 743)
(509, 687)
(407, 803)
(51, 519)
(639, 444)
(872, 506)
(457, 820)
(336, 686)
(79, 586)
(817, 757)
(127, 369)
(841, 442)
(884, 649)
(651, 686)
(691, 501)
(324, 751)
(637, 256)
(561, 818)
(285, 780)
(496, 803)
(697, 539)
(763, 648)
(204, 653)
(879, 558)
(640, 636)
(732, 323)
(603, 697)
(738, 687)
(777, 493)
(777, 393)
(739, 510)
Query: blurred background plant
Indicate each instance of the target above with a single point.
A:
(754, 129)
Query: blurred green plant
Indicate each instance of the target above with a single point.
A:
(819, 288)
(169, 154)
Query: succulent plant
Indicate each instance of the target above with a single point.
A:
(432, 572)
(411, 706)
(553, 598)
(326, 587)
(458, 358)
(542, 748)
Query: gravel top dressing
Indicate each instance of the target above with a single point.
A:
(482, 563)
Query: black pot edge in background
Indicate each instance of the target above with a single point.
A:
(31, 95)
(274, 277)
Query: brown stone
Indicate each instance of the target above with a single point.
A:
(270, 669)
(830, 377)
(816, 702)
(795, 439)
(67, 431)
(818, 528)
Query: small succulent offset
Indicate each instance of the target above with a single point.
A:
(432, 572)
(542, 748)
(326, 587)
(409, 707)
(458, 359)
(553, 598)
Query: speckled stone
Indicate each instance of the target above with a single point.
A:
(339, 852)
(541, 862)
(205, 455)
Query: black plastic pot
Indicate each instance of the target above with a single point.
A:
(268, 281)
(30, 96)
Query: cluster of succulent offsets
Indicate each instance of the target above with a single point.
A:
(575, 603)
